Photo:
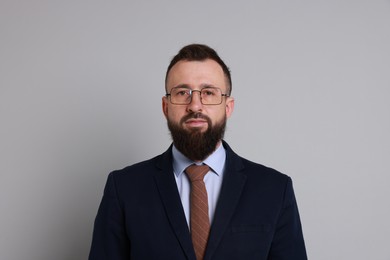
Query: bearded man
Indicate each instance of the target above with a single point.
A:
(198, 200)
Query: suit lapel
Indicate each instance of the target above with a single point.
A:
(232, 186)
(170, 197)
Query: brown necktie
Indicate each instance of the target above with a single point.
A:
(200, 223)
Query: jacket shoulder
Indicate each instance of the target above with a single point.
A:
(253, 169)
(145, 169)
(260, 169)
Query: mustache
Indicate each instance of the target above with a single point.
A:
(197, 115)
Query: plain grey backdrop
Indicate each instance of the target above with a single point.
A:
(80, 95)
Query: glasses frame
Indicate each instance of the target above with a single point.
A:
(168, 95)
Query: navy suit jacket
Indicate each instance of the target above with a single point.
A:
(141, 216)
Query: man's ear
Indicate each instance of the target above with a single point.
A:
(229, 106)
(165, 106)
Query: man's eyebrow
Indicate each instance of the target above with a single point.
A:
(183, 86)
(207, 86)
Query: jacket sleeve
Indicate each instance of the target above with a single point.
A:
(288, 242)
(110, 241)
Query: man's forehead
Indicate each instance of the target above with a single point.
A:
(208, 70)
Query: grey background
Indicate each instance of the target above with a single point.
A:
(80, 95)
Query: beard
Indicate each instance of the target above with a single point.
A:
(194, 144)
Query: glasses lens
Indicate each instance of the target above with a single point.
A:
(211, 96)
(180, 96)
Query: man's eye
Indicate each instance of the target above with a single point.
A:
(182, 93)
(208, 93)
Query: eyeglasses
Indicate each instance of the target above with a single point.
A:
(208, 95)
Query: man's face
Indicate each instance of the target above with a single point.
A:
(195, 118)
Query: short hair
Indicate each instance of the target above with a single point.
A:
(200, 52)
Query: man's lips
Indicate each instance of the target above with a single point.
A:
(196, 122)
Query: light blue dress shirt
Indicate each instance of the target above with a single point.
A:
(213, 179)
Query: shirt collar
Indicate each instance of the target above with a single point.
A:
(216, 161)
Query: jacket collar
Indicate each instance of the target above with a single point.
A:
(232, 186)
(170, 197)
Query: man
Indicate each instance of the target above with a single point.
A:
(157, 209)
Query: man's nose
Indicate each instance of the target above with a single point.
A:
(196, 101)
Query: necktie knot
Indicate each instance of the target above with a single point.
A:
(197, 172)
